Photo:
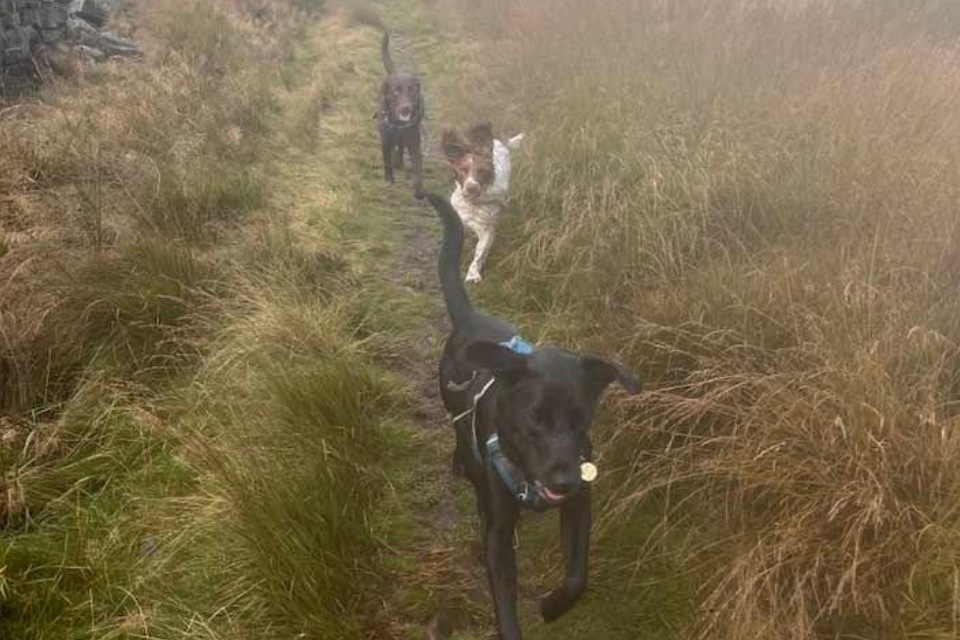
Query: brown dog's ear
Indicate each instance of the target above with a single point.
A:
(599, 373)
(481, 135)
(493, 357)
(453, 145)
(385, 99)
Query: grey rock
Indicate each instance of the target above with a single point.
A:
(30, 28)
(17, 44)
(49, 36)
(94, 13)
(52, 16)
(115, 45)
(90, 53)
(81, 31)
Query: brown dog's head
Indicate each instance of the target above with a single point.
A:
(470, 154)
(400, 98)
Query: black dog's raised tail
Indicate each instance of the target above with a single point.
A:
(385, 54)
(454, 294)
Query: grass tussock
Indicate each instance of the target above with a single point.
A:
(291, 442)
(106, 184)
(755, 203)
(190, 428)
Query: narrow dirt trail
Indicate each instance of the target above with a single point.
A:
(391, 240)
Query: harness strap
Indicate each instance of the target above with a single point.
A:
(524, 492)
(521, 489)
(472, 411)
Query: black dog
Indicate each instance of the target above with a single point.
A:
(522, 417)
(400, 115)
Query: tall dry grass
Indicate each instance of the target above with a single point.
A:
(121, 172)
(756, 204)
(189, 425)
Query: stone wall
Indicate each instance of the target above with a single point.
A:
(31, 26)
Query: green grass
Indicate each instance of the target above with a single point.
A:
(203, 457)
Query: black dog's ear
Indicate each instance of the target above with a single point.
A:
(493, 357)
(600, 373)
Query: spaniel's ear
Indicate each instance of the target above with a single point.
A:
(453, 145)
(481, 135)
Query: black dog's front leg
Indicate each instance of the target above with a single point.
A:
(575, 520)
(501, 563)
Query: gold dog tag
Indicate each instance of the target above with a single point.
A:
(588, 471)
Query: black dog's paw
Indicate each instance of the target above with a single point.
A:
(554, 605)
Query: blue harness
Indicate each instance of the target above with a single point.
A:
(525, 492)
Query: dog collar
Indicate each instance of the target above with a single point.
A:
(399, 125)
(525, 493)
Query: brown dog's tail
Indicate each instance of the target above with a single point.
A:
(439, 627)
(385, 53)
(454, 294)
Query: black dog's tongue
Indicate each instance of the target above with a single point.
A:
(551, 497)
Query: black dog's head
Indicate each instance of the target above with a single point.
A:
(545, 408)
(400, 97)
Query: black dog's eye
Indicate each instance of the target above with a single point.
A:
(541, 416)
(535, 430)
(577, 420)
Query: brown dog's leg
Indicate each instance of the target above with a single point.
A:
(398, 157)
(575, 520)
(439, 627)
(416, 159)
(386, 147)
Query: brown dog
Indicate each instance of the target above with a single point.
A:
(481, 166)
(400, 116)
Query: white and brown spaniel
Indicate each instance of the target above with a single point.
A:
(481, 166)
